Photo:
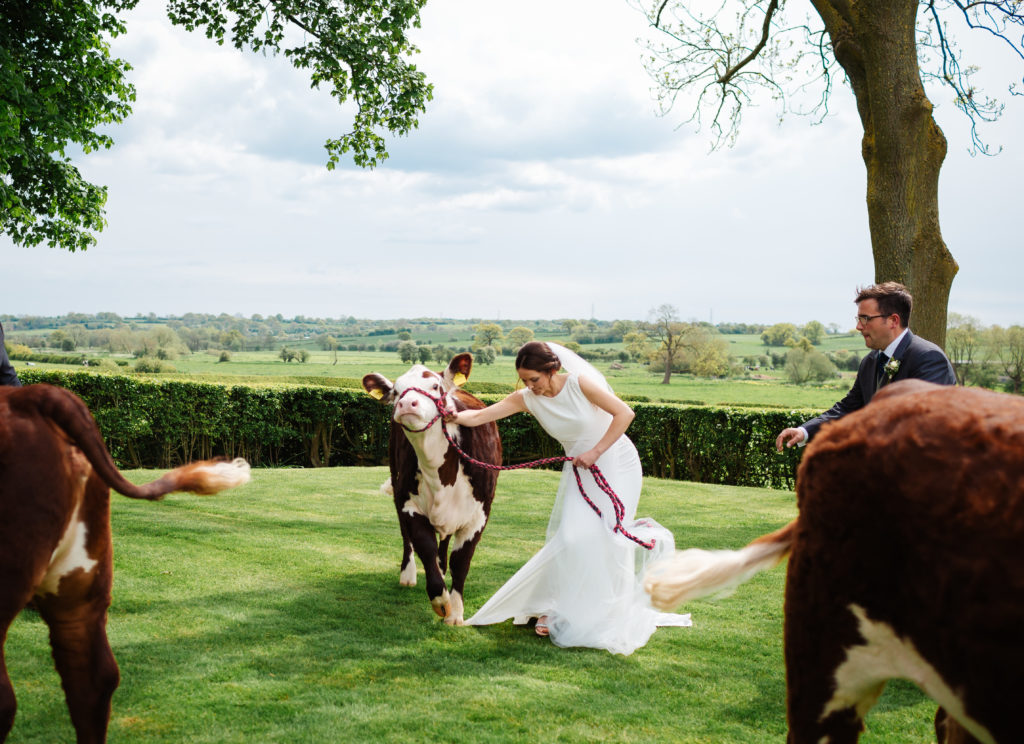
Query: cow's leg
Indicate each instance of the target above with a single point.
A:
(82, 655)
(461, 557)
(826, 701)
(424, 541)
(16, 582)
(407, 576)
(817, 709)
(949, 731)
(8, 706)
(17, 591)
(442, 554)
(76, 613)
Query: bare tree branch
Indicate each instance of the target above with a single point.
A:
(765, 32)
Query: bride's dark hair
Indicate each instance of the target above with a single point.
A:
(537, 356)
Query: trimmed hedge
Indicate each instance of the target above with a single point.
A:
(707, 444)
(164, 423)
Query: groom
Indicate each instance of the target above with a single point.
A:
(883, 319)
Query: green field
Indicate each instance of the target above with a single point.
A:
(273, 614)
(750, 344)
(633, 380)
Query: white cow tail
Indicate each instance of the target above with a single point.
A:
(695, 573)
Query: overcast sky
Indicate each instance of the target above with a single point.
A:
(540, 184)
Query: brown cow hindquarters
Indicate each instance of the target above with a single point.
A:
(77, 618)
(55, 542)
(907, 564)
(57, 550)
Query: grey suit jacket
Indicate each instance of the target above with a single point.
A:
(7, 374)
(919, 360)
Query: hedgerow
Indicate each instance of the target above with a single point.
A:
(164, 423)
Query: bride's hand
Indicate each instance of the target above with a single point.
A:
(586, 460)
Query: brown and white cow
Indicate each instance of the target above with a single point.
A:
(438, 495)
(907, 560)
(55, 547)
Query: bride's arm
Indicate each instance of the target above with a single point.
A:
(622, 417)
(475, 417)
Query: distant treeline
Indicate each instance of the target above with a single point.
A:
(301, 324)
(147, 335)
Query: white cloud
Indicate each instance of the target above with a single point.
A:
(539, 184)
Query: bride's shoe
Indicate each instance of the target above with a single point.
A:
(541, 628)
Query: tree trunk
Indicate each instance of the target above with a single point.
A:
(668, 371)
(903, 149)
(320, 445)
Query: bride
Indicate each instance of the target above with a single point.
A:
(584, 586)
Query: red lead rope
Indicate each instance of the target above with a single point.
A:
(599, 479)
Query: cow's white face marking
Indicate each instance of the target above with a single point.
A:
(69, 555)
(884, 655)
(414, 410)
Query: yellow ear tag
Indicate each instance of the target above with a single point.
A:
(459, 379)
(377, 393)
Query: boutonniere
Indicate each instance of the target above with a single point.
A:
(891, 368)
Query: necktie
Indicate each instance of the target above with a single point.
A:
(880, 369)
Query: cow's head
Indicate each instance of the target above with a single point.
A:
(413, 409)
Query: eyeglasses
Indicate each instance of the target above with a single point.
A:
(865, 319)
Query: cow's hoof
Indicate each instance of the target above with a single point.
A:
(456, 613)
(442, 605)
(408, 575)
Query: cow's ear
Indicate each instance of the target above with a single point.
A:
(378, 386)
(458, 369)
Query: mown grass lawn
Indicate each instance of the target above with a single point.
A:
(273, 614)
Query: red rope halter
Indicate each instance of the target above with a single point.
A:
(599, 479)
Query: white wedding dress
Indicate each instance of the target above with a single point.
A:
(586, 578)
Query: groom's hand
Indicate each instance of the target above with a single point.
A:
(789, 438)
